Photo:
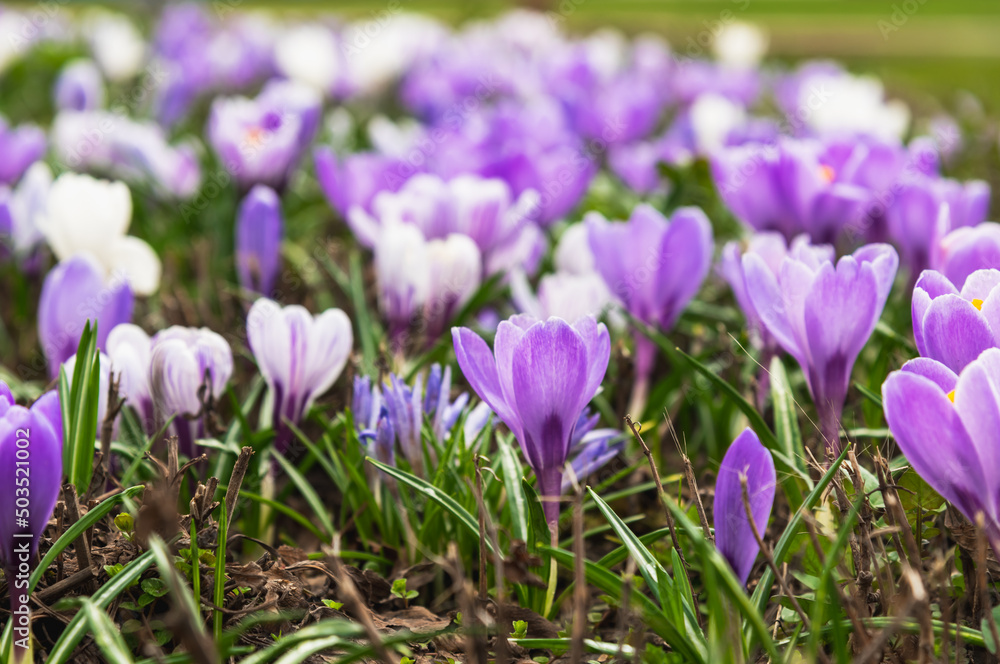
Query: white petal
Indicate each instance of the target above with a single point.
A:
(132, 259)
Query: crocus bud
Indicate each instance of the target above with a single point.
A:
(258, 240)
(74, 292)
(80, 87)
(403, 275)
(130, 350)
(29, 447)
(299, 355)
(746, 458)
(455, 269)
(189, 368)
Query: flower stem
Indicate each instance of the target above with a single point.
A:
(550, 591)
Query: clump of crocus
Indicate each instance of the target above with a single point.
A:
(822, 315)
(955, 326)
(772, 248)
(189, 370)
(74, 292)
(538, 380)
(30, 446)
(259, 227)
(946, 427)
(734, 537)
(394, 412)
(300, 357)
(654, 267)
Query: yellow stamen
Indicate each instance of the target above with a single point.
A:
(255, 136)
(827, 173)
(951, 395)
(978, 304)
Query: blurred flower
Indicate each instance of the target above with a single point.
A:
(259, 228)
(74, 292)
(21, 147)
(87, 216)
(189, 370)
(300, 357)
(822, 315)
(117, 45)
(79, 87)
(22, 522)
(946, 426)
(653, 266)
(542, 376)
(955, 327)
(22, 208)
(481, 208)
(354, 179)
(925, 208)
(740, 45)
(834, 102)
(734, 536)
(260, 140)
(965, 250)
(690, 78)
(310, 54)
(786, 187)
(374, 62)
(109, 143)
(563, 295)
(433, 278)
(130, 349)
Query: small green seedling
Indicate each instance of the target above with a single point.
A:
(520, 629)
(336, 606)
(126, 524)
(399, 590)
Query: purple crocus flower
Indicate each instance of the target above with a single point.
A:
(822, 315)
(189, 368)
(130, 349)
(916, 220)
(21, 147)
(787, 188)
(965, 250)
(74, 292)
(946, 426)
(733, 533)
(79, 87)
(654, 267)
(259, 141)
(354, 179)
(20, 210)
(259, 227)
(538, 379)
(773, 249)
(299, 355)
(32, 443)
(954, 327)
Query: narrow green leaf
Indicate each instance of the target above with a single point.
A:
(77, 627)
(106, 635)
(442, 499)
(287, 511)
(517, 503)
(786, 421)
(309, 493)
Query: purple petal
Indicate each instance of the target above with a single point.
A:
(955, 332)
(977, 400)
(930, 433)
(480, 368)
(769, 302)
(685, 257)
(934, 371)
(733, 533)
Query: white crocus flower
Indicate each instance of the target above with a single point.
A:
(740, 45)
(84, 215)
(117, 45)
(309, 54)
(713, 117)
(853, 104)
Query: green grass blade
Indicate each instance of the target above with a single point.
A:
(287, 511)
(439, 497)
(77, 627)
(786, 422)
(517, 502)
(106, 635)
(309, 493)
(78, 401)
